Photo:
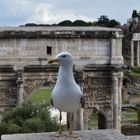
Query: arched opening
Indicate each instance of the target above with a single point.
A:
(93, 120)
(42, 95)
(97, 121)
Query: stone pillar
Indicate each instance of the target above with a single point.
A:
(116, 51)
(138, 53)
(20, 90)
(79, 120)
(138, 116)
(115, 93)
(132, 53)
(85, 118)
(120, 99)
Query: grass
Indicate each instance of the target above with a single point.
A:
(125, 101)
(41, 96)
(134, 74)
(93, 121)
(129, 115)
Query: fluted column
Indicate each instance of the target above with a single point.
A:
(115, 92)
(120, 98)
(138, 53)
(132, 53)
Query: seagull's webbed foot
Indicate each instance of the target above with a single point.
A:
(58, 134)
(73, 135)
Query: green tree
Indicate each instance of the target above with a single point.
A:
(113, 23)
(28, 118)
(81, 23)
(30, 24)
(103, 21)
(65, 23)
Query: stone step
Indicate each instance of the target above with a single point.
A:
(108, 134)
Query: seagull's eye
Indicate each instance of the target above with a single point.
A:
(63, 56)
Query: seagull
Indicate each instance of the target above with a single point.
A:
(66, 95)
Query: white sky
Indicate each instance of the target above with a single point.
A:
(19, 12)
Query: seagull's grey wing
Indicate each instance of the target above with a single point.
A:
(52, 102)
(82, 98)
(82, 101)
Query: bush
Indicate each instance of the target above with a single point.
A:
(13, 128)
(136, 69)
(28, 118)
(33, 125)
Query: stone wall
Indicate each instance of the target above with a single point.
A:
(103, 94)
(23, 46)
(97, 52)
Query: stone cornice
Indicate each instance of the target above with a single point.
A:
(60, 32)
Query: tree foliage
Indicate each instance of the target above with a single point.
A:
(81, 23)
(66, 23)
(28, 118)
(103, 21)
(113, 23)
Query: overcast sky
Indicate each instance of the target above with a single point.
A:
(19, 12)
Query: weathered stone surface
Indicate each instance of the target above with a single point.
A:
(134, 137)
(21, 46)
(85, 135)
(27, 49)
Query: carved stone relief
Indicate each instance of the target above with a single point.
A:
(8, 93)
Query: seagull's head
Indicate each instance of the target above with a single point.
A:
(63, 58)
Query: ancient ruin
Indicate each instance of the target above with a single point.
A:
(97, 53)
(135, 50)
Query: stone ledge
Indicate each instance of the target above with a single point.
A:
(109, 134)
(137, 137)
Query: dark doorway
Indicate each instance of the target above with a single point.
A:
(101, 121)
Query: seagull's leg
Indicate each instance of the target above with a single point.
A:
(71, 123)
(59, 132)
(71, 133)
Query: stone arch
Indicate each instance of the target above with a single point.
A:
(31, 86)
(101, 117)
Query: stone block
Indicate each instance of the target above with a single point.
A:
(134, 137)
(108, 134)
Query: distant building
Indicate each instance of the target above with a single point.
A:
(132, 41)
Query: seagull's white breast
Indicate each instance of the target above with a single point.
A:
(66, 96)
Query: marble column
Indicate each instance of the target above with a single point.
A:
(79, 121)
(19, 90)
(132, 53)
(115, 92)
(120, 99)
(138, 53)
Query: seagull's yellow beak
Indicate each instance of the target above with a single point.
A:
(52, 61)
